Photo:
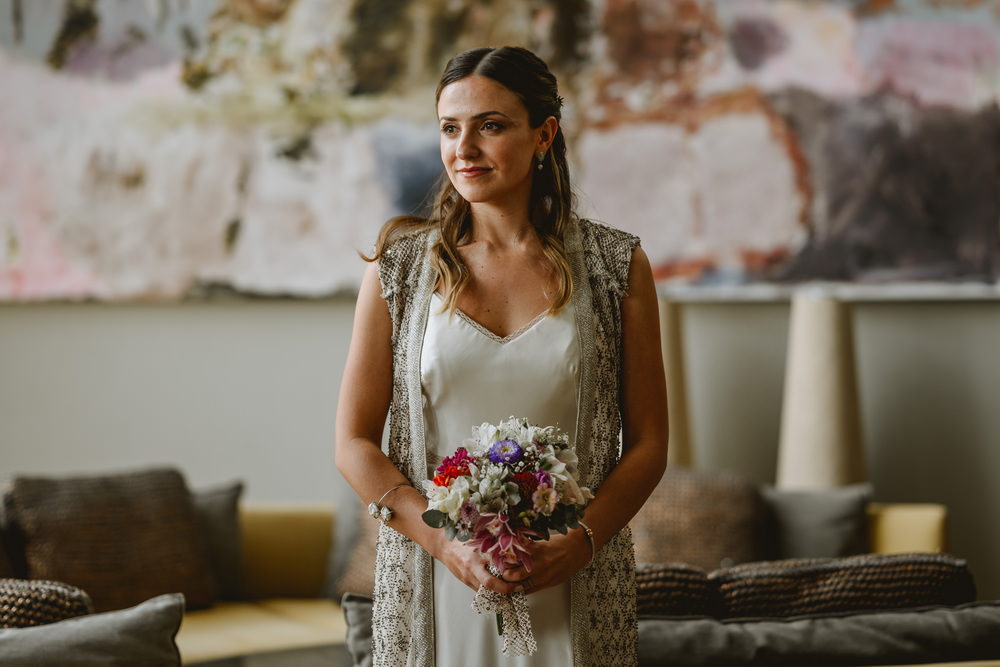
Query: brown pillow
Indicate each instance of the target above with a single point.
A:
(123, 538)
(358, 573)
(24, 603)
(674, 589)
(858, 583)
(706, 519)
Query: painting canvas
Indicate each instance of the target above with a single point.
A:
(173, 149)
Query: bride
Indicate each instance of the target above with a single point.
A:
(503, 303)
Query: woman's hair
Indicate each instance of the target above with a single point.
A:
(551, 203)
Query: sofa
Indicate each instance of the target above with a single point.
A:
(136, 568)
(902, 533)
(287, 592)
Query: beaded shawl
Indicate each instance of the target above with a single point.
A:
(602, 595)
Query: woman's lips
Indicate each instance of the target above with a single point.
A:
(472, 172)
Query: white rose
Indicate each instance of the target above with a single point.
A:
(457, 494)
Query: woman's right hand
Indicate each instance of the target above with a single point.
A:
(468, 566)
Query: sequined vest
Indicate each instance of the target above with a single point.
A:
(602, 597)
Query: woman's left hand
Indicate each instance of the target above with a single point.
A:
(555, 561)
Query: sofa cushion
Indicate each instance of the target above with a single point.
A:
(674, 589)
(826, 523)
(358, 614)
(871, 581)
(141, 635)
(930, 634)
(123, 538)
(232, 629)
(218, 515)
(24, 603)
(706, 519)
(285, 548)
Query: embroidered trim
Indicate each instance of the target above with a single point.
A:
(514, 335)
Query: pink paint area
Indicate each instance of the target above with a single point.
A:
(935, 63)
(33, 264)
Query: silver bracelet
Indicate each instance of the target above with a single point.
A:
(378, 511)
(590, 536)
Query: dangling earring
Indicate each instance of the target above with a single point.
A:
(541, 159)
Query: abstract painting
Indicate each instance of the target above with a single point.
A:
(171, 149)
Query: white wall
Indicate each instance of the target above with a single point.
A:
(248, 389)
(223, 390)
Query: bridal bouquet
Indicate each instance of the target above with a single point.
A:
(508, 485)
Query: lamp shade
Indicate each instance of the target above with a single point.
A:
(820, 445)
(679, 451)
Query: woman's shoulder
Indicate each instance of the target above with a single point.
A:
(605, 235)
(609, 252)
(400, 253)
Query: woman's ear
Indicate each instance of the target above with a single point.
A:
(547, 133)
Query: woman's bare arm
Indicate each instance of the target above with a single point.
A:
(643, 407)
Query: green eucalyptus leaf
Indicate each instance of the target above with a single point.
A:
(434, 518)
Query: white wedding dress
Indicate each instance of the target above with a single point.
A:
(470, 376)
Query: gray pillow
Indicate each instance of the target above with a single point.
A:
(932, 634)
(358, 613)
(825, 523)
(141, 635)
(218, 512)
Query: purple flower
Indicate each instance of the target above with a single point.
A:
(506, 451)
(469, 513)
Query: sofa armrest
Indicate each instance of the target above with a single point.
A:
(286, 548)
(906, 527)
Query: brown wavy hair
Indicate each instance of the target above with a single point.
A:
(551, 203)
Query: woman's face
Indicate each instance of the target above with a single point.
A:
(487, 143)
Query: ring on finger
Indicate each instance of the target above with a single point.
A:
(495, 572)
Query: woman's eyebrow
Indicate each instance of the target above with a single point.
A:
(484, 114)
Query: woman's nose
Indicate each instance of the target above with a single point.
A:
(467, 147)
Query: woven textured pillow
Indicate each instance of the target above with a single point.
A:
(123, 538)
(858, 583)
(706, 519)
(24, 603)
(674, 589)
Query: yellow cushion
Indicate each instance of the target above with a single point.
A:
(907, 527)
(286, 549)
(232, 629)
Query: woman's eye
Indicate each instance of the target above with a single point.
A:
(448, 129)
(492, 126)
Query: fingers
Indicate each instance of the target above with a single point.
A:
(495, 580)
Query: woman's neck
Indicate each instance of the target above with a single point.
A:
(499, 227)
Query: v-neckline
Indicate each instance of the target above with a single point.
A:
(501, 340)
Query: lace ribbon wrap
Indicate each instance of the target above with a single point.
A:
(518, 639)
